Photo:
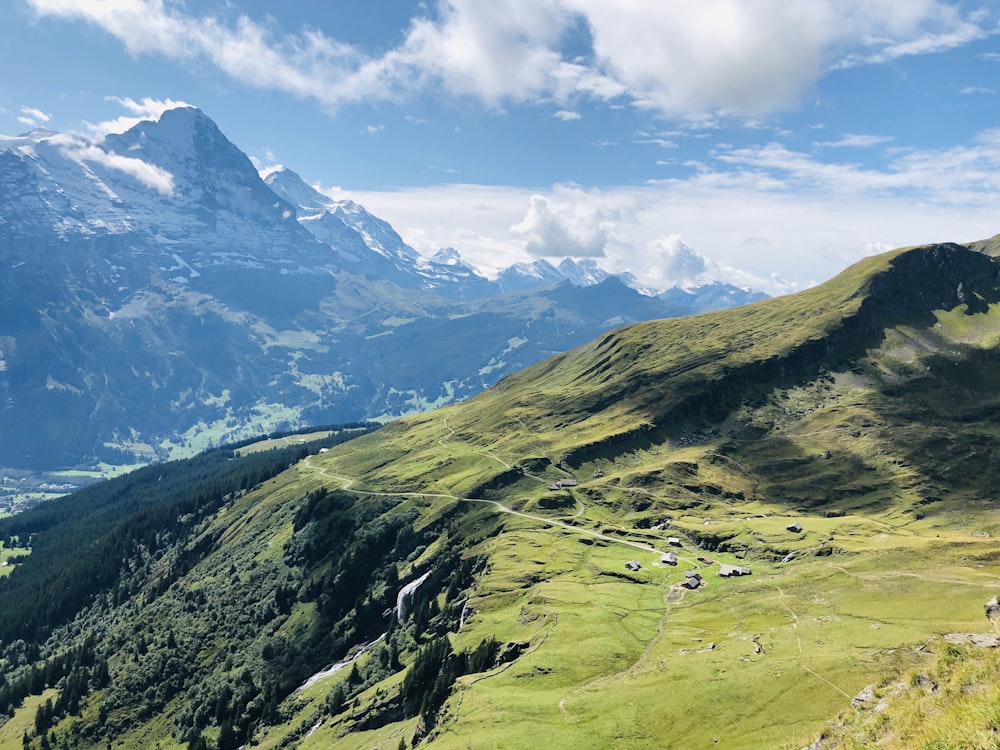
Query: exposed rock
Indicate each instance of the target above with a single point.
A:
(993, 613)
(983, 640)
(924, 681)
(865, 696)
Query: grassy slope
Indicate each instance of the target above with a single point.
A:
(949, 699)
(625, 663)
(884, 457)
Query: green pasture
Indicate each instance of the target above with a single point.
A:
(625, 659)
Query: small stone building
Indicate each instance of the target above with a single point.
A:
(728, 571)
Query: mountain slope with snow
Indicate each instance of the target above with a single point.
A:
(158, 296)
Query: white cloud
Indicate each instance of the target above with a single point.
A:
(567, 115)
(569, 222)
(967, 90)
(856, 141)
(961, 174)
(31, 116)
(148, 174)
(689, 60)
(769, 217)
(82, 150)
(268, 170)
(675, 261)
(956, 33)
(145, 109)
(374, 129)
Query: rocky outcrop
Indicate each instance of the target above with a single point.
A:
(982, 640)
(993, 613)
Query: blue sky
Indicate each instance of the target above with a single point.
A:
(760, 142)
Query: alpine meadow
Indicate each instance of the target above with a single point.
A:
(767, 526)
(499, 375)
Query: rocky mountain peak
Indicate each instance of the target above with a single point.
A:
(290, 186)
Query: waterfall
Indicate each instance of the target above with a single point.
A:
(406, 593)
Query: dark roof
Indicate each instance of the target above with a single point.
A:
(733, 570)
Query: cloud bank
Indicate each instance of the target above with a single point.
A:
(767, 217)
(688, 60)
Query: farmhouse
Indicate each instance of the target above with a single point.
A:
(795, 528)
(571, 482)
(632, 565)
(692, 580)
(673, 541)
(728, 571)
(669, 558)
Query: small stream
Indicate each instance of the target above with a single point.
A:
(404, 595)
(338, 666)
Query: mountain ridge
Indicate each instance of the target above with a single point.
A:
(161, 298)
(854, 487)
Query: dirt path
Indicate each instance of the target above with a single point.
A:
(451, 431)
(346, 483)
(674, 596)
(798, 640)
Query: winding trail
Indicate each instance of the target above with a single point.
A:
(347, 482)
(798, 640)
(560, 522)
(674, 596)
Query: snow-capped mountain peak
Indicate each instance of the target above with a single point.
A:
(290, 186)
(584, 272)
(368, 245)
(449, 256)
(176, 180)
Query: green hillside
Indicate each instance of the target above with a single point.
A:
(841, 443)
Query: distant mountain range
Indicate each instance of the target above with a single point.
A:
(159, 296)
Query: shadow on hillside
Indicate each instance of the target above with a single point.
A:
(920, 282)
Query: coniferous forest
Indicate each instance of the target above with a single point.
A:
(115, 552)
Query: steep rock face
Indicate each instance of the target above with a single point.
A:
(935, 277)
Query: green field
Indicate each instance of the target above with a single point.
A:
(857, 410)
(760, 661)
